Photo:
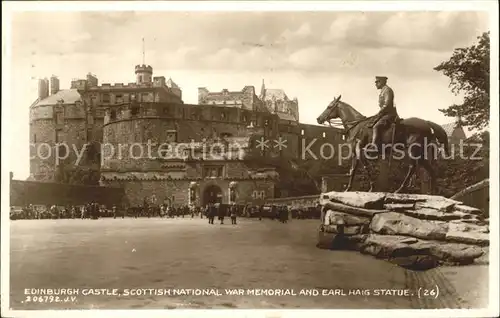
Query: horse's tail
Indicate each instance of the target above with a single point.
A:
(441, 136)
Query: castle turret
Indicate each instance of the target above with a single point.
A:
(43, 88)
(143, 73)
(54, 85)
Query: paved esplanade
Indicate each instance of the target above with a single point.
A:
(187, 263)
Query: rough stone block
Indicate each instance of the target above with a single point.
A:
(393, 223)
(431, 214)
(468, 233)
(399, 206)
(349, 219)
(367, 200)
(351, 210)
(347, 230)
(456, 253)
(467, 209)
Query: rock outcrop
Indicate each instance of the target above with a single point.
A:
(413, 231)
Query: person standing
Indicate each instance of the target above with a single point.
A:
(233, 214)
(220, 212)
(210, 213)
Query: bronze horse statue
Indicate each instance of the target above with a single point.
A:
(411, 135)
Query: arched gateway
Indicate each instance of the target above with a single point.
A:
(212, 194)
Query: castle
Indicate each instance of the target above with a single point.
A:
(204, 147)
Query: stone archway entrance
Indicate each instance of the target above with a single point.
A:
(212, 194)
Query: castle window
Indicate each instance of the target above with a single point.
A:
(119, 99)
(140, 79)
(90, 119)
(167, 112)
(61, 149)
(212, 172)
(112, 115)
(324, 134)
(89, 134)
(302, 132)
(266, 122)
(244, 119)
(258, 194)
(105, 98)
(134, 111)
(59, 118)
(222, 116)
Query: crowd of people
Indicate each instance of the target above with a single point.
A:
(94, 210)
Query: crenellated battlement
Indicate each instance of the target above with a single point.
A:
(210, 113)
(123, 86)
(144, 68)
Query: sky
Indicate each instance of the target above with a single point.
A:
(314, 56)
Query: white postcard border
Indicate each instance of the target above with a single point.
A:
(8, 8)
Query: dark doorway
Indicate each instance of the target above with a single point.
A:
(212, 194)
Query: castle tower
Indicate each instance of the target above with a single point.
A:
(143, 73)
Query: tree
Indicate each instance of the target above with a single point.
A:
(469, 73)
(460, 172)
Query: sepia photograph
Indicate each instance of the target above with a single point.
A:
(243, 156)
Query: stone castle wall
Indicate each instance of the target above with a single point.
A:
(245, 99)
(165, 122)
(121, 115)
(51, 124)
(177, 191)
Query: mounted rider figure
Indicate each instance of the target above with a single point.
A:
(387, 114)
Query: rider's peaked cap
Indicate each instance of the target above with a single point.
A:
(378, 78)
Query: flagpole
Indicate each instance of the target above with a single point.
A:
(143, 52)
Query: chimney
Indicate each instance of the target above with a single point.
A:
(43, 88)
(92, 80)
(54, 85)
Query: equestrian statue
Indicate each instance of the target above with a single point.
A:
(386, 132)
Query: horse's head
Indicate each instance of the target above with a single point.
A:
(331, 112)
